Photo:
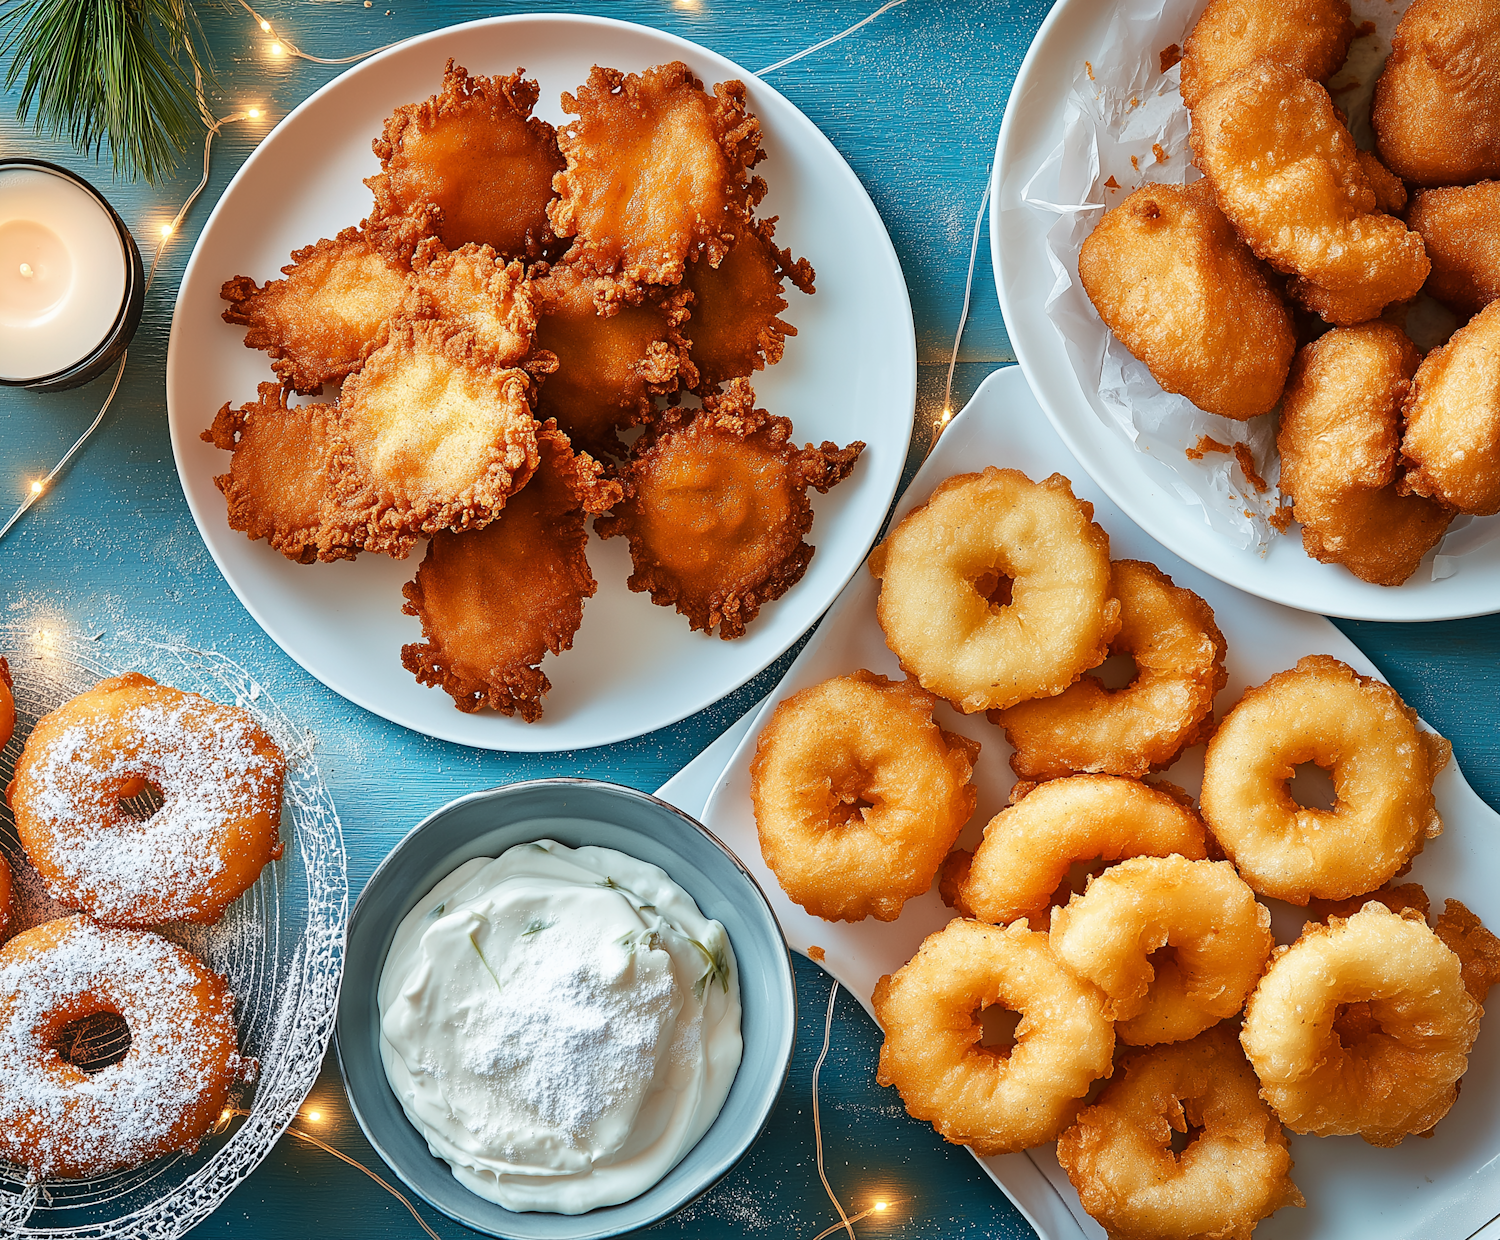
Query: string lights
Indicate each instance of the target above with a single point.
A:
(946, 416)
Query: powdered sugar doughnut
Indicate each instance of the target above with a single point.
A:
(168, 1090)
(219, 776)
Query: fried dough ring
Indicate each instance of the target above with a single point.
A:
(995, 1104)
(716, 507)
(1340, 426)
(494, 601)
(1220, 937)
(475, 153)
(1382, 767)
(1310, 36)
(974, 529)
(859, 795)
(1179, 657)
(278, 485)
(1234, 1173)
(1020, 868)
(1362, 1026)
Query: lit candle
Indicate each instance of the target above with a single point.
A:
(71, 282)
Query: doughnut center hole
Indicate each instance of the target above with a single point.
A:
(91, 1043)
(997, 1029)
(1311, 787)
(1182, 1140)
(1163, 958)
(1076, 880)
(849, 800)
(994, 587)
(140, 798)
(1353, 1023)
(1119, 671)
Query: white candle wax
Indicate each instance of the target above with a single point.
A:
(62, 273)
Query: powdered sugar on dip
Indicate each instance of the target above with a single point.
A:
(562, 1025)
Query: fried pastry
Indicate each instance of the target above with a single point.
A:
(474, 288)
(1340, 427)
(431, 436)
(1169, 277)
(277, 487)
(1310, 36)
(658, 170)
(1436, 112)
(474, 152)
(494, 601)
(1460, 226)
(716, 507)
(1284, 170)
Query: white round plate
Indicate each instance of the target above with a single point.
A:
(1072, 33)
(850, 373)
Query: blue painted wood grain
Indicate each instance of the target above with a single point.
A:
(914, 102)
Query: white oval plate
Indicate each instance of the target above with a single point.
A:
(1072, 33)
(849, 374)
(1446, 1186)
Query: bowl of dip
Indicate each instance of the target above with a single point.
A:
(568, 1010)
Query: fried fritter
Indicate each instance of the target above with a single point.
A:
(1169, 277)
(277, 487)
(320, 323)
(608, 368)
(494, 601)
(475, 152)
(1452, 414)
(472, 287)
(1460, 226)
(657, 172)
(1437, 104)
(1390, 190)
(1284, 170)
(1310, 36)
(735, 328)
(716, 507)
(1340, 427)
(431, 437)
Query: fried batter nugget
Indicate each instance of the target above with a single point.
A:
(735, 328)
(431, 437)
(1452, 416)
(1340, 429)
(657, 172)
(494, 601)
(1310, 36)
(321, 322)
(1460, 226)
(1436, 112)
(277, 487)
(1169, 277)
(1285, 172)
(474, 288)
(609, 369)
(475, 152)
(715, 509)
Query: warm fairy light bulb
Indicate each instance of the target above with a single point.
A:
(276, 49)
(253, 114)
(166, 230)
(265, 25)
(315, 1116)
(881, 1205)
(36, 488)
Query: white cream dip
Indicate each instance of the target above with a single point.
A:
(562, 1025)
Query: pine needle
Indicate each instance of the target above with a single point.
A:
(122, 74)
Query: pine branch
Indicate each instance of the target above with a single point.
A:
(126, 74)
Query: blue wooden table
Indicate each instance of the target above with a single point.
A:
(913, 101)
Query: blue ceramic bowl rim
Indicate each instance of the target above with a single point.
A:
(352, 996)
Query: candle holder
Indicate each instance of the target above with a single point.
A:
(100, 339)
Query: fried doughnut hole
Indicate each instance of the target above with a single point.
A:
(1022, 867)
(1310, 36)
(1179, 657)
(735, 328)
(1284, 170)
(494, 601)
(321, 321)
(1436, 112)
(859, 795)
(1169, 277)
(609, 369)
(431, 437)
(278, 485)
(992, 1102)
(1460, 226)
(1452, 416)
(716, 507)
(1338, 438)
(1231, 1175)
(658, 171)
(475, 152)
